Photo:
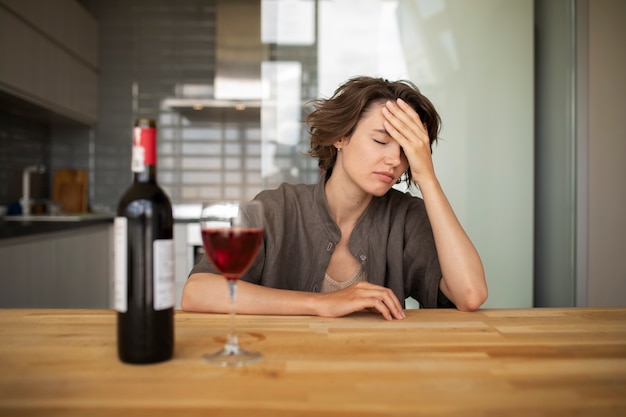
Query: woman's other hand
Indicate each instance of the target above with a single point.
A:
(358, 297)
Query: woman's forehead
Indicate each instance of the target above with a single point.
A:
(373, 113)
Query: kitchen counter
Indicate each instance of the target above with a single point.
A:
(19, 228)
(499, 362)
(55, 264)
(14, 227)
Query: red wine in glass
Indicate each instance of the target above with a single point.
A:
(232, 250)
(232, 233)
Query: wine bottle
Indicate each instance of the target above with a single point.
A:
(144, 259)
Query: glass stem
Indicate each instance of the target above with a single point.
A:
(232, 344)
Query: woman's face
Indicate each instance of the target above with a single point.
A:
(370, 158)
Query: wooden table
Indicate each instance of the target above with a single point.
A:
(518, 362)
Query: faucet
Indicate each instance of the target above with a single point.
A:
(26, 201)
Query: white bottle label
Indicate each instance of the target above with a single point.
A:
(137, 163)
(163, 274)
(120, 263)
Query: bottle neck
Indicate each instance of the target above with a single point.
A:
(143, 162)
(147, 175)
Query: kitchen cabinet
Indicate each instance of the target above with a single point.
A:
(49, 56)
(66, 269)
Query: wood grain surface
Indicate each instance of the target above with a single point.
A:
(70, 190)
(519, 362)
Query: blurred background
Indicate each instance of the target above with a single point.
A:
(531, 155)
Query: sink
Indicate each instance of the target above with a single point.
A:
(60, 217)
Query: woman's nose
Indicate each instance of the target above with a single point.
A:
(394, 154)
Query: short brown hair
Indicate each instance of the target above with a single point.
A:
(337, 116)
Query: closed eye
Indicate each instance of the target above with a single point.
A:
(380, 142)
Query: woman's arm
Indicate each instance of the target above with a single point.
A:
(205, 292)
(463, 276)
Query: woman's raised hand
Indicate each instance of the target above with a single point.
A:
(405, 126)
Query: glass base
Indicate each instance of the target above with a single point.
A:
(231, 357)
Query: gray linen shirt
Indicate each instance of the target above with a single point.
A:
(393, 240)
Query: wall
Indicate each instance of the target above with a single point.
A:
(23, 141)
(475, 61)
(606, 284)
(49, 60)
(155, 52)
(30, 135)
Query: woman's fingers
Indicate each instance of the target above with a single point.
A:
(405, 126)
(385, 301)
(405, 121)
(364, 296)
(383, 309)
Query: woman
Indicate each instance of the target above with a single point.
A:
(351, 242)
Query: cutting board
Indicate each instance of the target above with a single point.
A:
(70, 190)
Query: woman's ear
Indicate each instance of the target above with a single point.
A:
(341, 142)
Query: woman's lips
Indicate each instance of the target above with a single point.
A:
(385, 176)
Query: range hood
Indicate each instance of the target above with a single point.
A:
(238, 56)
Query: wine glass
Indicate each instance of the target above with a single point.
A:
(232, 233)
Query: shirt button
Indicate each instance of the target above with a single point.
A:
(363, 258)
(330, 246)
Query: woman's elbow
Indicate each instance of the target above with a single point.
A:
(186, 303)
(189, 300)
(473, 299)
(205, 293)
